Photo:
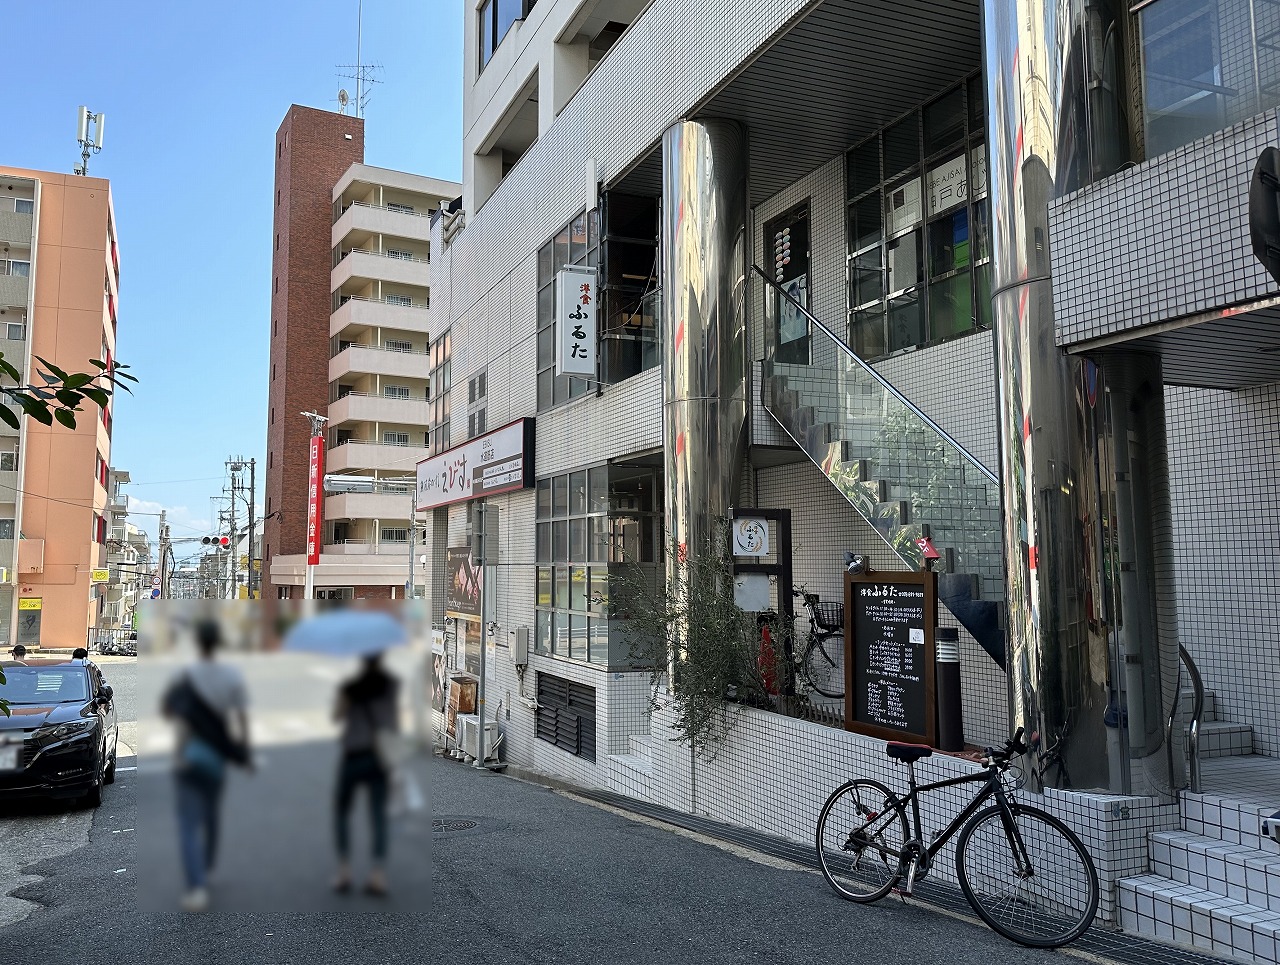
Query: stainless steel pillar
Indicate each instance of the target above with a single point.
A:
(1058, 118)
(704, 362)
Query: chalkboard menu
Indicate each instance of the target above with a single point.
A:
(889, 621)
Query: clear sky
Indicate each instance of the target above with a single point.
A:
(193, 94)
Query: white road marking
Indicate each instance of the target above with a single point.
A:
(123, 830)
(119, 769)
(119, 871)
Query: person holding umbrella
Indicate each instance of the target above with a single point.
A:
(367, 708)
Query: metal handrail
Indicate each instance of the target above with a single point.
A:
(857, 360)
(383, 207)
(1197, 713)
(381, 348)
(343, 299)
(381, 254)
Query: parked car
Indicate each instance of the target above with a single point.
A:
(60, 737)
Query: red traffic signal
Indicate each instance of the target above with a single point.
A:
(218, 542)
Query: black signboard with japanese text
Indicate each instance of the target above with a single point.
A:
(462, 587)
(889, 665)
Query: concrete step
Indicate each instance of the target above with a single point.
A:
(641, 745)
(1160, 908)
(1225, 819)
(1220, 738)
(632, 775)
(1232, 870)
(1186, 700)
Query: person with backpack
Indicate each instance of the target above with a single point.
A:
(208, 702)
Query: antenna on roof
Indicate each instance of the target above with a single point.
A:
(361, 72)
(90, 143)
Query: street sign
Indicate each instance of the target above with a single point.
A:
(155, 594)
(155, 582)
(100, 576)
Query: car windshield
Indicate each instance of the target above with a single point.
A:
(44, 685)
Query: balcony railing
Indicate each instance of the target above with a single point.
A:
(378, 348)
(383, 207)
(341, 300)
(341, 255)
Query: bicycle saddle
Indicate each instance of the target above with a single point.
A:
(908, 752)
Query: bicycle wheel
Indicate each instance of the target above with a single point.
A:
(1038, 888)
(824, 666)
(861, 831)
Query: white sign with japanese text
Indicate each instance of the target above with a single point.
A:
(576, 322)
(948, 185)
(497, 462)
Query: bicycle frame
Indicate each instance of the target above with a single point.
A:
(993, 789)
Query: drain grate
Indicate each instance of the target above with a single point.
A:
(453, 824)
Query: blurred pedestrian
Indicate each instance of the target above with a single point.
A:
(367, 710)
(19, 654)
(209, 703)
(79, 653)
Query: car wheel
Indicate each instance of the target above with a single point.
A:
(94, 798)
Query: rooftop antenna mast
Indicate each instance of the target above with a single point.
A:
(361, 73)
(90, 142)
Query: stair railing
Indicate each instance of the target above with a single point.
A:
(884, 383)
(1197, 713)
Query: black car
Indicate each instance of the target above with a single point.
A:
(59, 739)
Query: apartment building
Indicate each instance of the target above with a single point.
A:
(129, 562)
(977, 272)
(350, 340)
(59, 299)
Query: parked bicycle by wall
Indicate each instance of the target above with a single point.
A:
(1024, 872)
(821, 661)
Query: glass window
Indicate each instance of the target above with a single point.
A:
(864, 167)
(544, 586)
(486, 32)
(903, 259)
(866, 336)
(561, 599)
(598, 641)
(544, 498)
(977, 104)
(902, 207)
(944, 122)
(598, 490)
(560, 541)
(560, 497)
(981, 231)
(867, 278)
(578, 586)
(951, 306)
(577, 493)
(546, 628)
(906, 323)
(24, 206)
(949, 243)
(509, 11)
(866, 222)
(578, 539)
(1186, 94)
(902, 146)
(546, 262)
(577, 638)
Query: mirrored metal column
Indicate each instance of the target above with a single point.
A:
(704, 215)
(1060, 117)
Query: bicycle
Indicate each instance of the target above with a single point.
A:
(1024, 872)
(822, 661)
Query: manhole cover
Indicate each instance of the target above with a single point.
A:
(452, 824)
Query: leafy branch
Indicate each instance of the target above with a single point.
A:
(62, 392)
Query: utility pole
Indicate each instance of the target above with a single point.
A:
(162, 572)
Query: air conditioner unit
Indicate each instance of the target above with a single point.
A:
(468, 725)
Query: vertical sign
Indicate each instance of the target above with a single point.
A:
(313, 500)
(576, 322)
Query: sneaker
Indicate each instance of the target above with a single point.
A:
(197, 899)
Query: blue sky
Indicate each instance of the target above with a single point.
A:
(193, 94)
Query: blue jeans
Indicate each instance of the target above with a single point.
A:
(359, 768)
(199, 796)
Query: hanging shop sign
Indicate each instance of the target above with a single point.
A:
(314, 496)
(889, 621)
(576, 322)
(497, 462)
(750, 536)
(99, 576)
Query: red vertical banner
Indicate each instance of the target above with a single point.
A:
(314, 496)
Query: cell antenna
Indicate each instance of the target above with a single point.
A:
(343, 100)
(360, 72)
(89, 136)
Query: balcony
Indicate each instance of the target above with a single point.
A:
(15, 227)
(371, 266)
(372, 313)
(13, 290)
(383, 506)
(30, 556)
(355, 547)
(373, 360)
(380, 220)
(358, 407)
(118, 504)
(371, 455)
(8, 484)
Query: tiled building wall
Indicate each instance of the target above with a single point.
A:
(1224, 462)
(1161, 240)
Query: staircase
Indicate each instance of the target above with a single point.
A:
(896, 467)
(632, 773)
(1214, 884)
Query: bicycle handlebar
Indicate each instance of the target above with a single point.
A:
(1015, 746)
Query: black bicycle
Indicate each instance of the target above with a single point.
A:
(822, 660)
(1024, 872)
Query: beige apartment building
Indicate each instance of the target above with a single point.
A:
(350, 338)
(59, 298)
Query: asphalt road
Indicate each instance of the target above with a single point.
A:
(541, 877)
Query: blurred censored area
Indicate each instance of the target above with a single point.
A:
(337, 722)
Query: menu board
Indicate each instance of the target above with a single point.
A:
(889, 621)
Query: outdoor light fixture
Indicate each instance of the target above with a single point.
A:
(856, 564)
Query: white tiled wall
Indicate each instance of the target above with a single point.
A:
(1224, 462)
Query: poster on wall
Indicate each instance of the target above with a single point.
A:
(792, 323)
(462, 587)
(786, 238)
(470, 631)
(439, 681)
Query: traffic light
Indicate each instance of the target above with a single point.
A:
(217, 542)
